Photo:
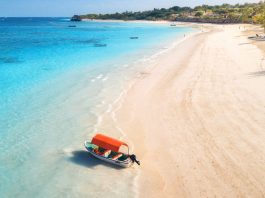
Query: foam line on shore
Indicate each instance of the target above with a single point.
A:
(120, 100)
(115, 106)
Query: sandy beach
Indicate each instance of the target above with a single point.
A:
(132, 99)
(196, 119)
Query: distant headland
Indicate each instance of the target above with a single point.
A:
(226, 13)
(76, 18)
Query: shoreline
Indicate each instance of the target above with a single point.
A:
(110, 116)
(115, 20)
(178, 23)
(141, 101)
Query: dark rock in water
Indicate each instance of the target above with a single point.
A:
(71, 25)
(89, 41)
(76, 18)
(46, 68)
(100, 45)
(9, 60)
(134, 37)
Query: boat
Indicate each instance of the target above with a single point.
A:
(173, 24)
(134, 37)
(257, 38)
(71, 26)
(108, 149)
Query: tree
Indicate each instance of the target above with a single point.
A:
(245, 13)
(199, 13)
(260, 19)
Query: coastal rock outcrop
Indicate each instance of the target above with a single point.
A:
(76, 18)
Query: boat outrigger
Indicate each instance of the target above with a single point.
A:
(108, 149)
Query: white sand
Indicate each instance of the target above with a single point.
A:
(197, 119)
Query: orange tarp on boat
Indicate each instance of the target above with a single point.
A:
(107, 142)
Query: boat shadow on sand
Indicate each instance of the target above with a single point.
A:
(83, 158)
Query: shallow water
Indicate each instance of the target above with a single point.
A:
(55, 82)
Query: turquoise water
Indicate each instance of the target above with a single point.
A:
(55, 81)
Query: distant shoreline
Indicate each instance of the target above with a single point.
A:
(133, 21)
(184, 23)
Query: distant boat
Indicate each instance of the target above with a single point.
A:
(72, 26)
(173, 24)
(76, 18)
(134, 37)
(108, 149)
(100, 45)
(257, 38)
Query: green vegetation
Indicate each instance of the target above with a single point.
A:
(239, 13)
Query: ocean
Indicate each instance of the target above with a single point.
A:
(56, 80)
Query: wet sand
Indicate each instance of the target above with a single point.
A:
(196, 119)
